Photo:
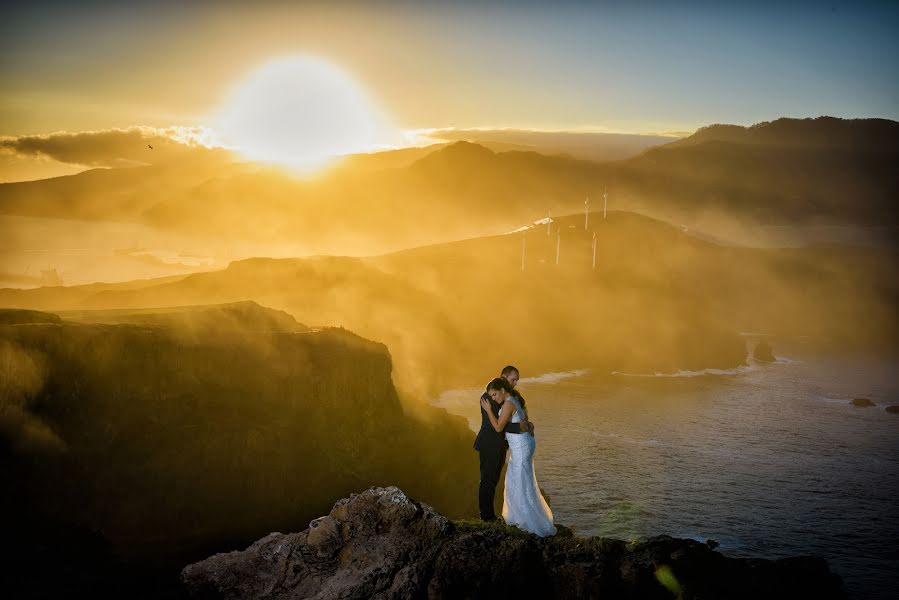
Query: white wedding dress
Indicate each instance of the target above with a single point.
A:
(523, 504)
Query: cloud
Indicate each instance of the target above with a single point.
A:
(112, 147)
(166, 258)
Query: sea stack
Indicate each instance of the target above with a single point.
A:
(763, 352)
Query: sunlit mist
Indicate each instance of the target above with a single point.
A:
(300, 112)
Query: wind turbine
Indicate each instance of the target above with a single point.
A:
(586, 213)
(605, 202)
(523, 241)
(558, 243)
(594, 249)
(549, 219)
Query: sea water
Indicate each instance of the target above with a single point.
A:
(769, 459)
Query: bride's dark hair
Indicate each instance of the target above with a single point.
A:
(499, 384)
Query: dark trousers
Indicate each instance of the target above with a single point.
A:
(491, 466)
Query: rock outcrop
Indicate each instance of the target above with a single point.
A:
(862, 402)
(763, 353)
(382, 544)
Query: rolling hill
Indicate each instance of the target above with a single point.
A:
(658, 299)
(791, 171)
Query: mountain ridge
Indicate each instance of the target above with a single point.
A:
(824, 130)
(466, 190)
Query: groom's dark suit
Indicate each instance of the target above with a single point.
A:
(492, 447)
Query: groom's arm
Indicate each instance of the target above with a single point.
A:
(513, 428)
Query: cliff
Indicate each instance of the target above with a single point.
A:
(382, 544)
(196, 429)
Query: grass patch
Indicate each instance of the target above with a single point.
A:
(474, 525)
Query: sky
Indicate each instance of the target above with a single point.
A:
(630, 67)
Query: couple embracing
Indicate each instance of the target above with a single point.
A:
(505, 425)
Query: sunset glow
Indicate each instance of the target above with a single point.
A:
(300, 112)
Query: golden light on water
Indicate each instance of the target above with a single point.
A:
(301, 112)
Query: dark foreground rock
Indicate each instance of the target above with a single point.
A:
(862, 402)
(893, 409)
(382, 544)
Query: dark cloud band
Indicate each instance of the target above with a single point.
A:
(108, 148)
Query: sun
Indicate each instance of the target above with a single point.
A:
(301, 112)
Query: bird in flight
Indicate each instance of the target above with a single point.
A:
(149, 146)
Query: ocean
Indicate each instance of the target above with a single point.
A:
(770, 459)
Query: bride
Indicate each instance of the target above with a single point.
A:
(523, 504)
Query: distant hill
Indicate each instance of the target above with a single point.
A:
(659, 299)
(115, 193)
(386, 159)
(403, 157)
(872, 134)
(593, 146)
(790, 171)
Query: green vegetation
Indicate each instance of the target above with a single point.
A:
(495, 527)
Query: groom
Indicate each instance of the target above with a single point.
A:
(492, 447)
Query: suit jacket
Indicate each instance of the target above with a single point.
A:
(489, 439)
